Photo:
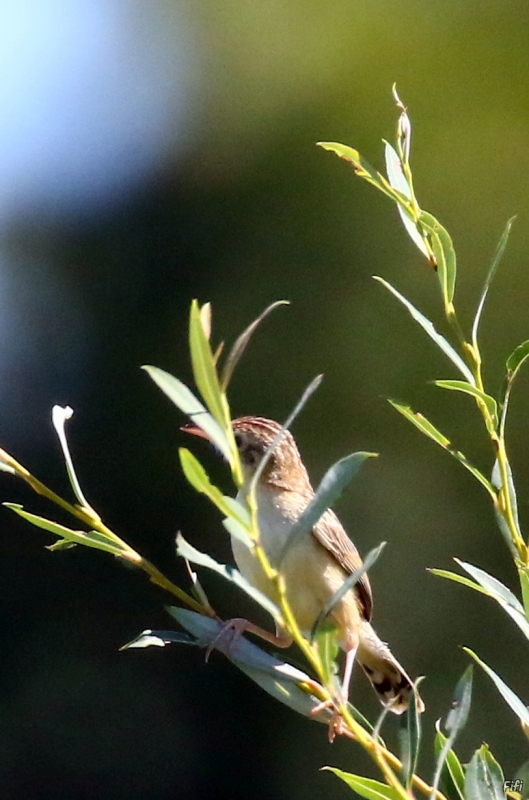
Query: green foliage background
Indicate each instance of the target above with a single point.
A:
(255, 214)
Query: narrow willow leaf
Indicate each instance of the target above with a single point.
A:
(280, 679)
(366, 787)
(364, 170)
(452, 775)
(329, 490)
(428, 326)
(150, 638)
(186, 401)
(410, 740)
(7, 467)
(309, 391)
(514, 362)
(241, 343)
(205, 320)
(60, 544)
(79, 537)
(199, 479)
(468, 388)
(203, 365)
(426, 427)
(488, 280)
(455, 722)
(484, 777)
(347, 585)
(496, 480)
(325, 640)
(523, 572)
(186, 550)
(59, 415)
(492, 587)
(444, 254)
(398, 181)
(512, 699)
(238, 531)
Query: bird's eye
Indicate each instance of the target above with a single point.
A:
(238, 441)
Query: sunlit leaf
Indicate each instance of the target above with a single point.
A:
(488, 280)
(280, 679)
(366, 787)
(468, 388)
(523, 573)
(484, 777)
(199, 479)
(150, 638)
(519, 355)
(497, 482)
(325, 641)
(426, 427)
(99, 542)
(186, 550)
(508, 695)
(241, 343)
(398, 181)
(59, 415)
(347, 585)
(444, 254)
(428, 326)
(452, 774)
(309, 391)
(203, 365)
(364, 170)
(205, 320)
(455, 722)
(329, 490)
(186, 401)
(410, 739)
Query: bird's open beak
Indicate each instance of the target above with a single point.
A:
(193, 429)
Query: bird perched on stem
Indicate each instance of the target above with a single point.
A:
(315, 566)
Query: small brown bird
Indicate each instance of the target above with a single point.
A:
(316, 565)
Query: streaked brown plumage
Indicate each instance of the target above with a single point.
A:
(316, 565)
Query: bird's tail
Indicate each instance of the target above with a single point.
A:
(390, 681)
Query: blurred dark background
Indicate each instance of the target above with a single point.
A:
(152, 151)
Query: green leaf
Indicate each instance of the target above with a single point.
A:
(497, 482)
(241, 343)
(59, 415)
(410, 740)
(452, 774)
(512, 699)
(398, 181)
(186, 401)
(203, 365)
(347, 585)
(366, 787)
(428, 326)
(329, 490)
(309, 391)
(495, 589)
(91, 539)
(514, 362)
(186, 550)
(468, 388)
(280, 679)
(523, 573)
(426, 427)
(455, 722)
(150, 638)
(237, 530)
(445, 257)
(325, 640)
(484, 777)
(488, 280)
(199, 479)
(364, 170)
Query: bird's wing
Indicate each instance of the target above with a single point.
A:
(330, 533)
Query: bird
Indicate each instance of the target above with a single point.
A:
(315, 565)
